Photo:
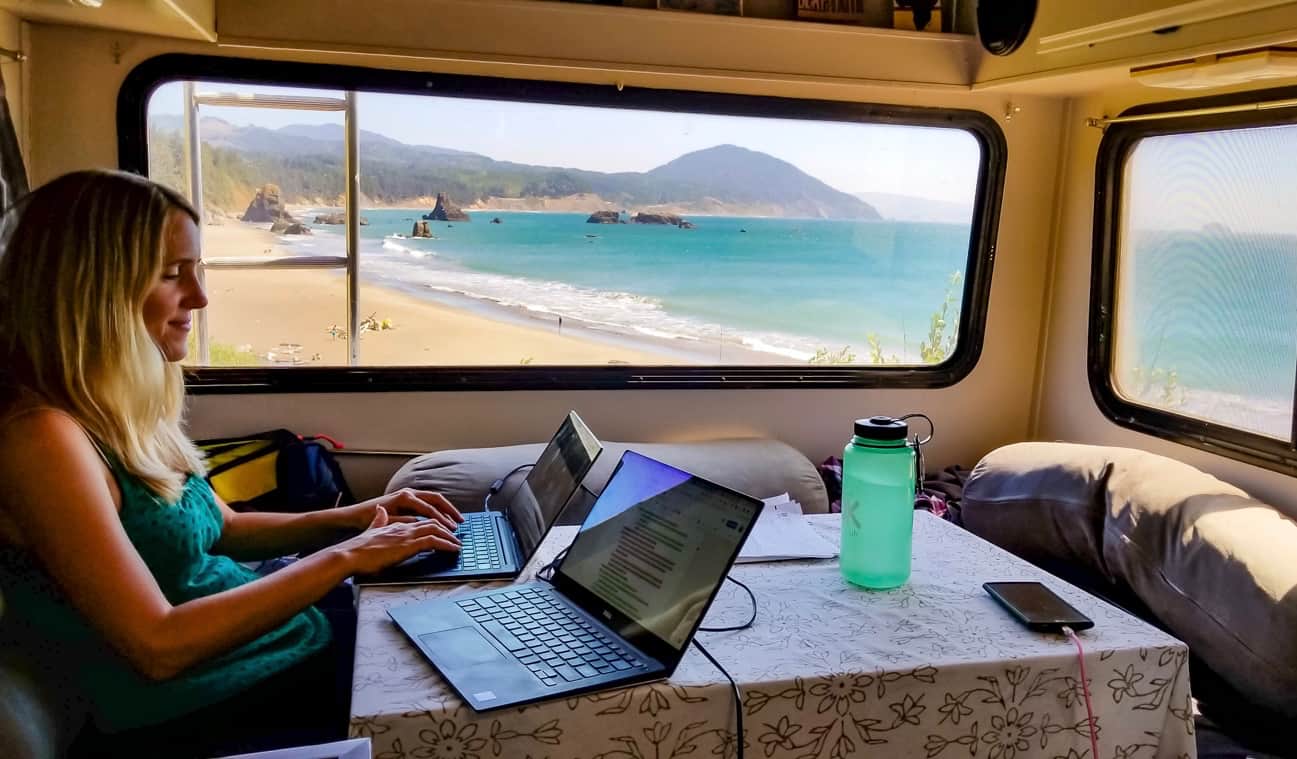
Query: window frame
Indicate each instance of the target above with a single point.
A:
(1118, 143)
(132, 135)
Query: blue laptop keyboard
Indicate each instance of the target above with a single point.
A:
(550, 639)
(481, 546)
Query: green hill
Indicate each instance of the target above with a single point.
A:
(306, 162)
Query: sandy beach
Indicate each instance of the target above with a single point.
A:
(300, 317)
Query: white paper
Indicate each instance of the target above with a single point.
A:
(781, 533)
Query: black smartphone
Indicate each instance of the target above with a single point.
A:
(1037, 607)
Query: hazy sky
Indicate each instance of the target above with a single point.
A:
(941, 164)
(1245, 179)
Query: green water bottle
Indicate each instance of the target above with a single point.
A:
(878, 479)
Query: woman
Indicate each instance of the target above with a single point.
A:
(116, 558)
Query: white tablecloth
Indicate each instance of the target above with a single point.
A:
(934, 669)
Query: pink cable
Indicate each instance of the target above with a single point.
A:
(1085, 690)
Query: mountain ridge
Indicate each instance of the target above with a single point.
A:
(306, 162)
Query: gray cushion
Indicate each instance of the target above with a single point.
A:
(1212, 564)
(38, 713)
(755, 466)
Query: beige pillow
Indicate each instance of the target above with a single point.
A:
(756, 466)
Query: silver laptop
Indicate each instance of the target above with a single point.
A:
(497, 544)
(625, 603)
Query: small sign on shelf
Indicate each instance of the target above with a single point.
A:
(863, 12)
(723, 7)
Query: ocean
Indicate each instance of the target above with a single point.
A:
(1217, 308)
(786, 287)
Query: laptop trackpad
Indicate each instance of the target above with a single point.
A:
(460, 647)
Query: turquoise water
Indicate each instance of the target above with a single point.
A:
(1219, 309)
(787, 286)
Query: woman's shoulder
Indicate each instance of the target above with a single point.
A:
(28, 417)
(39, 445)
(36, 434)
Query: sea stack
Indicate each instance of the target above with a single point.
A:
(421, 229)
(658, 218)
(604, 217)
(266, 206)
(289, 227)
(446, 210)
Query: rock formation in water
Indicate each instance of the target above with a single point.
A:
(604, 217)
(496, 220)
(266, 206)
(289, 227)
(446, 210)
(657, 218)
(421, 229)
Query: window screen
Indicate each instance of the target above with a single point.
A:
(1206, 284)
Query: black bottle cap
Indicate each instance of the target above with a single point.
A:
(882, 428)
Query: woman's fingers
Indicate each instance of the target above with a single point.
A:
(433, 527)
(428, 504)
(442, 504)
(436, 543)
(439, 504)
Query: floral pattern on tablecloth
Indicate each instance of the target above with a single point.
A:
(933, 669)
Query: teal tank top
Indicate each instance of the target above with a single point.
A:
(175, 541)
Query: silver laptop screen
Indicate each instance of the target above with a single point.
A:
(552, 481)
(657, 543)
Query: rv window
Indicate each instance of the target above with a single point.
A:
(1200, 268)
(502, 228)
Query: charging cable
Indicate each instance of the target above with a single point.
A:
(498, 485)
(743, 626)
(546, 572)
(1085, 690)
(738, 695)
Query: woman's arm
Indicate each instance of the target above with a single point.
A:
(57, 491)
(249, 536)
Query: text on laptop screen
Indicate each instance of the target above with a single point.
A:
(551, 482)
(656, 544)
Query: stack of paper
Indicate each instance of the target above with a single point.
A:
(782, 533)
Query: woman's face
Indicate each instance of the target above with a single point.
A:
(177, 292)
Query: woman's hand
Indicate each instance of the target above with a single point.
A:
(407, 505)
(383, 544)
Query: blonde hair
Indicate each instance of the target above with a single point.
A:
(80, 256)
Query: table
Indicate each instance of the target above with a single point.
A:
(934, 669)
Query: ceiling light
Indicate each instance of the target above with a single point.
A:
(1221, 70)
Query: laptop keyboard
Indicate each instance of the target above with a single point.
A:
(551, 640)
(480, 548)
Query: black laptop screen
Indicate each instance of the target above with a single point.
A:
(657, 543)
(551, 482)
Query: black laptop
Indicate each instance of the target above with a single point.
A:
(625, 601)
(497, 544)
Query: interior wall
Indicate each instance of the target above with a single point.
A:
(1067, 408)
(75, 79)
